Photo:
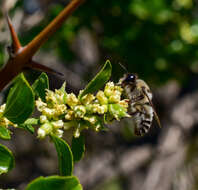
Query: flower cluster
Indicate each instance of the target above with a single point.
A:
(61, 110)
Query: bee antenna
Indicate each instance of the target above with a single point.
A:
(123, 67)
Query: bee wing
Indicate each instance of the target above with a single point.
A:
(155, 113)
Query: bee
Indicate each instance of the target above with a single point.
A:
(140, 103)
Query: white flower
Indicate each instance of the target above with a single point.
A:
(72, 100)
(43, 119)
(101, 97)
(59, 133)
(41, 133)
(69, 115)
(44, 130)
(57, 124)
(2, 108)
(40, 105)
(79, 111)
(77, 133)
(99, 109)
(91, 119)
(114, 98)
(48, 112)
(87, 99)
(109, 89)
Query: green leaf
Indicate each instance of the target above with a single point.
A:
(4, 133)
(32, 121)
(99, 80)
(62, 89)
(27, 125)
(78, 148)
(55, 182)
(65, 157)
(20, 101)
(40, 85)
(6, 159)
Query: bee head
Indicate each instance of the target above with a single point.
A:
(130, 78)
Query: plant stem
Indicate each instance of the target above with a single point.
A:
(20, 60)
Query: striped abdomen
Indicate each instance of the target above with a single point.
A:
(140, 109)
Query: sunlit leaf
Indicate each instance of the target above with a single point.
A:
(6, 159)
(55, 182)
(4, 133)
(40, 85)
(99, 80)
(20, 101)
(27, 125)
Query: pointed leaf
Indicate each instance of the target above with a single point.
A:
(65, 157)
(4, 133)
(20, 101)
(40, 85)
(27, 125)
(55, 182)
(78, 148)
(100, 79)
(6, 159)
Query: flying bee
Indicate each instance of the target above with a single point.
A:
(140, 103)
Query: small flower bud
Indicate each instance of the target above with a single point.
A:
(118, 88)
(57, 124)
(89, 108)
(72, 100)
(44, 130)
(60, 109)
(61, 96)
(109, 89)
(40, 105)
(59, 133)
(114, 98)
(97, 127)
(41, 133)
(43, 119)
(69, 115)
(99, 109)
(48, 112)
(4, 122)
(2, 108)
(77, 133)
(79, 111)
(101, 97)
(50, 96)
(91, 119)
(87, 99)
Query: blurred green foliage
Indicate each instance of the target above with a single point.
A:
(157, 39)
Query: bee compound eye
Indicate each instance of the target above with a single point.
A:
(130, 78)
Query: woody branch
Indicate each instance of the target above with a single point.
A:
(22, 56)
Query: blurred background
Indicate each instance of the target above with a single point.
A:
(158, 40)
